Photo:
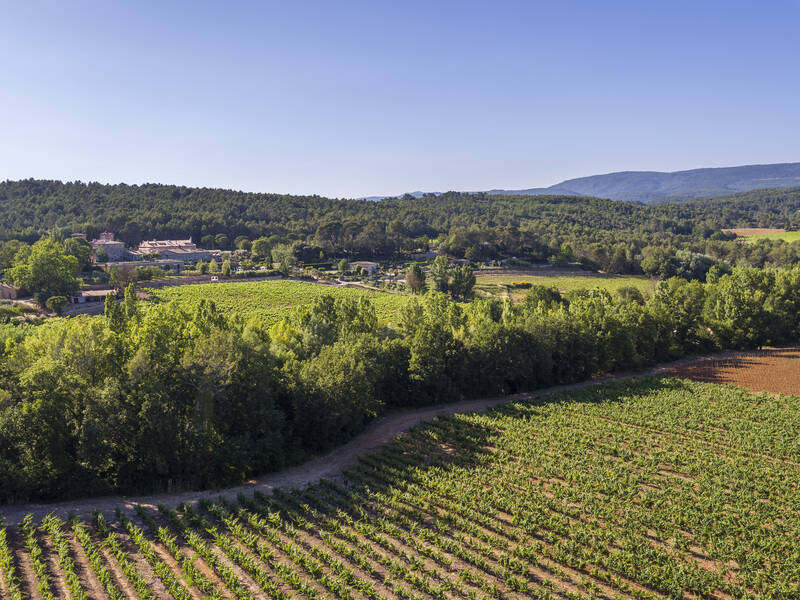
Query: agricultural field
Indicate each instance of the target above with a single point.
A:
(274, 300)
(501, 284)
(647, 488)
(775, 370)
(751, 234)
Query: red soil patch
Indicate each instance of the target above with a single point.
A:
(772, 370)
(747, 231)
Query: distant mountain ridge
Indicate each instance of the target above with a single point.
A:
(655, 186)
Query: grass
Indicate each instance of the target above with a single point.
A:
(274, 300)
(787, 236)
(495, 284)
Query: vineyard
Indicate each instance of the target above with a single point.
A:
(648, 488)
(274, 300)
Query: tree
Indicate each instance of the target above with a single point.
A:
(8, 251)
(415, 279)
(56, 303)
(131, 303)
(242, 242)
(122, 277)
(80, 249)
(101, 255)
(344, 265)
(45, 270)
(226, 268)
(440, 273)
(221, 240)
(283, 254)
(261, 248)
(564, 256)
(213, 266)
(114, 313)
(543, 297)
(463, 282)
(335, 391)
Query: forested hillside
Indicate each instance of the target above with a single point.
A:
(605, 234)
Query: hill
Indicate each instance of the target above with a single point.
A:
(601, 233)
(656, 186)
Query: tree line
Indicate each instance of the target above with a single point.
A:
(164, 397)
(614, 236)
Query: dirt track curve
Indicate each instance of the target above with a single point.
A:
(328, 466)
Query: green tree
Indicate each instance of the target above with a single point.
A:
(114, 313)
(463, 282)
(80, 249)
(213, 266)
(440, 273)
(131, 303)
(221, 241)
(122, 277)
(226, 268)
(415, 279)
(335, 391)
(437, 357)
(8, 250)
(261, 248)
(56, 303)
(543, 297)
(344, 265)
(242, 242)
(45, 270)
(283, 254)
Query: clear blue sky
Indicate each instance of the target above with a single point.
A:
(358, 98)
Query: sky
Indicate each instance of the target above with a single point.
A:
(350, 99)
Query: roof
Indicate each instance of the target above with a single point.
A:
(178, 250)
(94, 293)
(364, 263)
(167, 243)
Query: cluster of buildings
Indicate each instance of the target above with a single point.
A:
(174, 251)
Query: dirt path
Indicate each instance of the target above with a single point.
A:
(328, 466)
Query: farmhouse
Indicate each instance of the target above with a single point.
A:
(183, 250)
(368, 266)
(114, 249)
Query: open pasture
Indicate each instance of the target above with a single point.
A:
(496, 283)
(759, 233)
(274, 300)
(648, 488)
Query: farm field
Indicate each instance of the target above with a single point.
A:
(495, 284)
(769, 234)
(274, 300)
(645, 488)
(775, 370)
